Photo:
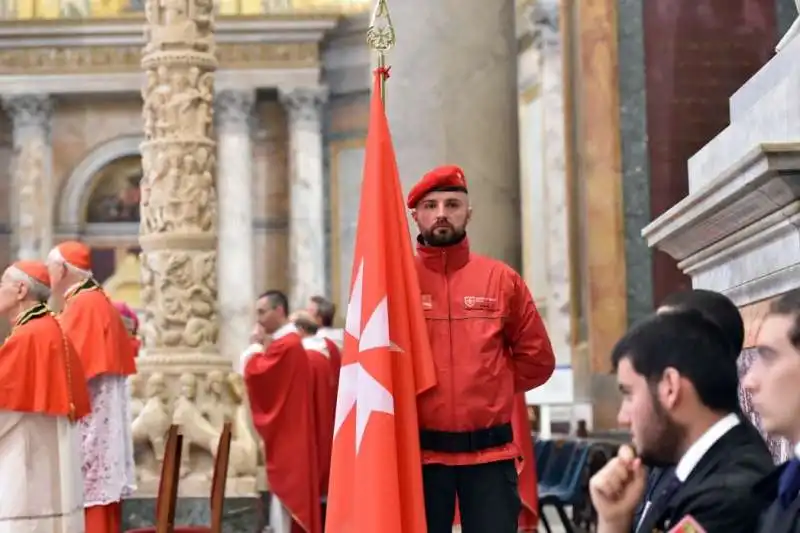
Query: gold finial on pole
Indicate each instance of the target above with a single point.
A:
(380, 37)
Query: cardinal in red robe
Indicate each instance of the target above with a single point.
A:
(42, 395)
(280, 387)
(95, 327)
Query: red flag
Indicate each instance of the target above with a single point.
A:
(528, 484)
(376, 471)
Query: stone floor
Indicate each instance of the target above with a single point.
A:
(552, 518)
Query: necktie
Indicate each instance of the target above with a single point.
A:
(670, 487)
(789, 484)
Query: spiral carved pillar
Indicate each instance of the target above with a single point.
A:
(182, 377)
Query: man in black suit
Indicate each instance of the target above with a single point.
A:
(720, 310)
(680, 398)
(773, 380)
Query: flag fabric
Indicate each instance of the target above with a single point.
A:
(526, 467)
(376, 469)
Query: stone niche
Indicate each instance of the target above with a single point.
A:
(738, 230)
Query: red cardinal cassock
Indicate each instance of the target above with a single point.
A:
(376, 469)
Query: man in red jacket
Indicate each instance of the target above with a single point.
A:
(489, 343)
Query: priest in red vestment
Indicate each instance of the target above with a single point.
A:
(42, 395)
(323, 391)
(324, 311)
(96, 329)
(279, 385)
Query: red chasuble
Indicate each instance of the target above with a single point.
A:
(40, 372)
(280, 388)
(335, 361)
(324, 401)
(96, 329)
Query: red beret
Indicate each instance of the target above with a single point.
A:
(446, 177)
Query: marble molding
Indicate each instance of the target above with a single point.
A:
(307, 247)
(770, 113)
(236, 291)
(740, 233)
(452, 99)
(32, 180)
(737, 230)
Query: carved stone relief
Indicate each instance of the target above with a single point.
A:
(182, 378)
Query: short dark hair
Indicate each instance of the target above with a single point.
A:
(789, 305)
(716, 308)
(276, 299)
(326, 310)
(691, 344)
(306, 325)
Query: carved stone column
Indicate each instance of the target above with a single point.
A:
(32, 187)
(186, 381)
(307, 259)
(235, 277)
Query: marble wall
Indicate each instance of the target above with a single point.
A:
(697, 54)
(635, 158)
(271, 197)
(346, 130)
(545, 201)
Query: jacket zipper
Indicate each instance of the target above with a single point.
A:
(450, 342)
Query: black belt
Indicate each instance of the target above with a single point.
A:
(465, 441)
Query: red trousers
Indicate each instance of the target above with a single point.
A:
(104, 518)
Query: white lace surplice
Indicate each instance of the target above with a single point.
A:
(108, 469)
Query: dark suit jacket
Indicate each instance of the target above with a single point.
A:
(719, 493)
(776, 519)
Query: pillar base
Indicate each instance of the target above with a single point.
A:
(241, 515)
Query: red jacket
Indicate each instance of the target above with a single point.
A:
(488, 342)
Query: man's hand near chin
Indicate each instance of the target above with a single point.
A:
(616, 490)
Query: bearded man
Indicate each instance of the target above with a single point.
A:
(489, 346)
(679, 385)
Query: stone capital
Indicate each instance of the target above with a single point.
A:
(234, 107)
(29, 110)
(543, 17)
(304, 103)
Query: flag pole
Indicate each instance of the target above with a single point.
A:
(381, 39)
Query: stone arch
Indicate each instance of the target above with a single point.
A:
(79, 183)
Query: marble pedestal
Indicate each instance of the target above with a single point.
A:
(738, 230)
(241, 515)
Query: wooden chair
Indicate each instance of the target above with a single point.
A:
(167, 499)
(217, 499)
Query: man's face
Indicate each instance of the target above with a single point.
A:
(267, 317)
(656, 435)
(313, 310)
(11, 293)
(773, 377)
(57, 272)
(442, 217)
